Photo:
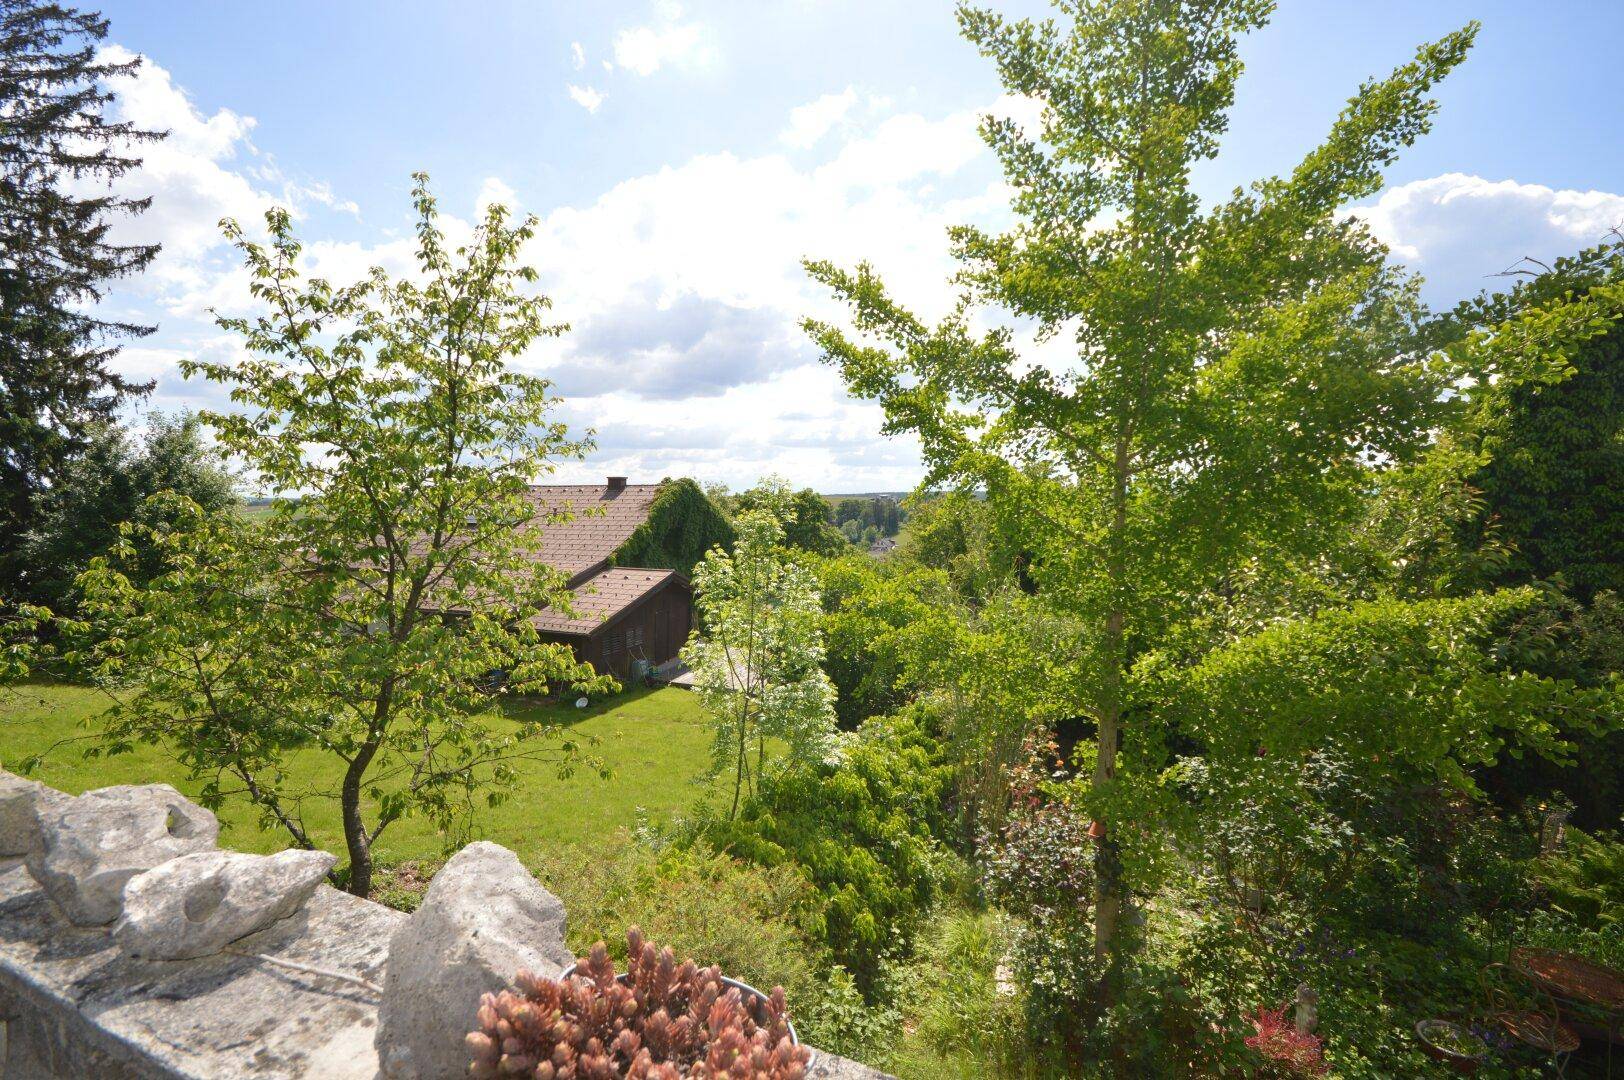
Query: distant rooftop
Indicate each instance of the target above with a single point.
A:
(604, 517)
(601, 597)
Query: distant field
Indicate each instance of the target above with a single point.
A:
(656, 743)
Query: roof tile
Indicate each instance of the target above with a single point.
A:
(599, 520)
(601, 597)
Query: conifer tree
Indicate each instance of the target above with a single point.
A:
(58, 150)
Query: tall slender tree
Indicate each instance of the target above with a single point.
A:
(1237, 367)
(757, 659)
(57, 151)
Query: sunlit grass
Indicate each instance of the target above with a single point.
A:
(654, 742)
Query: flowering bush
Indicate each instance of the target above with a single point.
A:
(665, 1021)
(1043, 857)
(1278, 1040)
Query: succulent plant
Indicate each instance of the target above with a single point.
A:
(661, 1021)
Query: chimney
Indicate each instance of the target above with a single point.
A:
(617, 483)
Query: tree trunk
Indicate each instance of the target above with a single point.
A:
(744, 748)
(356, 840)
(1107, 864)
(1107, 858)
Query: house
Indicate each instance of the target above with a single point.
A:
(627, 549)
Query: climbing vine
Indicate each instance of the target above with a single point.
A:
(682, 525)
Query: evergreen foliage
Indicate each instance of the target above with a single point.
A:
(1552, 481)
(111, 482)
(56, 254)
(683, 524)
(862, 827)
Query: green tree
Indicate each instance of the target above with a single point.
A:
(955, 533)
(112, 482)
(57, 255)
(804, 515)
(869, 609)
(368, 614)
(1237, 367)
(1552, 479)
(758, 654)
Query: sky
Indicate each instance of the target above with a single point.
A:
(682, 158)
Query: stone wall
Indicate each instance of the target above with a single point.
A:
(311, 994)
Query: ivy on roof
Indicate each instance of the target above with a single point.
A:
(682, 525)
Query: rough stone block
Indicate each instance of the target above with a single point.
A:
(482, 920)
(78, 1006)
(829, 1067)
(20, 800)
(197, 904)
(89, 847)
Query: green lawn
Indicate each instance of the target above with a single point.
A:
(655, 742)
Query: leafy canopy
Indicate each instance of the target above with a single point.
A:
(756, 658)
(1550, 429)
(1235, 370)
(383, 604)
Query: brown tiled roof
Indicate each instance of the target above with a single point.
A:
(603, 519)
(601, 597)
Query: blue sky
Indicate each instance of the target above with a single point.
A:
(684, 157)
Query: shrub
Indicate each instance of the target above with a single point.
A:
(860, 829)
(747, 919)
(1289, 1053)
(664, 1021)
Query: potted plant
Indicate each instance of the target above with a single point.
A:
(658, 1020)
(1452, 1044)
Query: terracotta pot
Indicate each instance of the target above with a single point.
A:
(1461, 1063)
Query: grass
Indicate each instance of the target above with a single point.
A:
(656, 743)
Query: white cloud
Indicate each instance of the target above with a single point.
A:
(207, 169)
(685, 291)
(645, 49)
(577, 55)
(810, 122)
(1460, 230)
(585, 96)
(318, 191)
(188, 175)
(684, 286)
(494, 190)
